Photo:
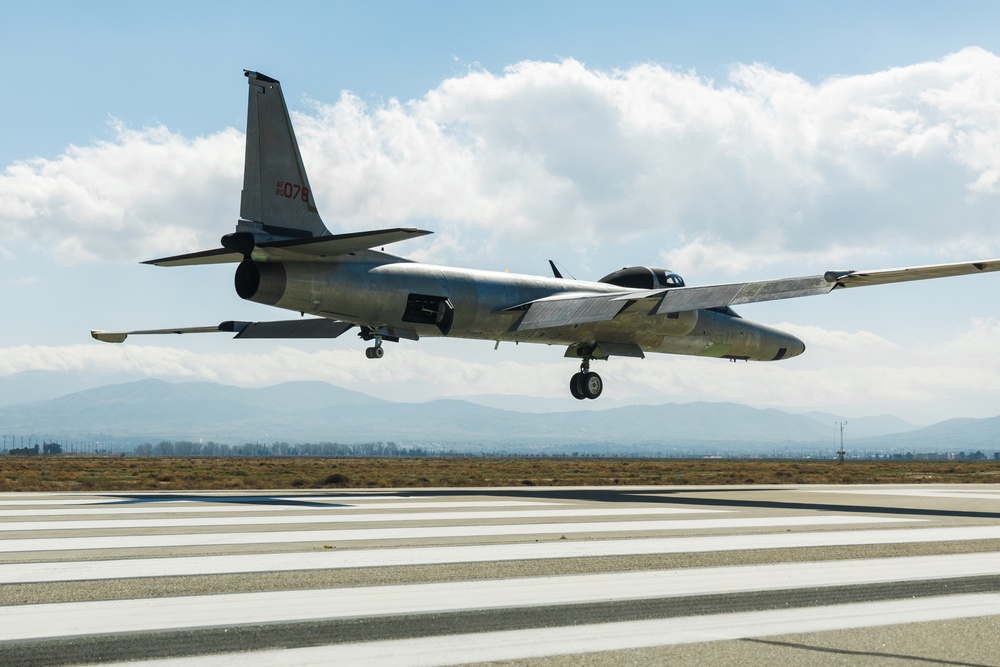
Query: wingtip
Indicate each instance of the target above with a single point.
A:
(109, 336)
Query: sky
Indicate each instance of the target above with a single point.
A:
(724, 140)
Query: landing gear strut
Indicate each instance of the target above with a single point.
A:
(375, 351)
(586, 384)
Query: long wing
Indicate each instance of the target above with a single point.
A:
(581, 308)
(302, 328)
(884, 276)
(734, 294)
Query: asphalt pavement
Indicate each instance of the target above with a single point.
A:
(824, 575)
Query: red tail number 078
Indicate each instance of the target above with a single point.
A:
(290, 190)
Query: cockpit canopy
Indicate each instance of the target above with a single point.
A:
(643, 277)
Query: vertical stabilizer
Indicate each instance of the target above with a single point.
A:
(277, 200)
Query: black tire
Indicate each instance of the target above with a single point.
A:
(368, 352)
(592, 385)
(576, 387)
(377, 352)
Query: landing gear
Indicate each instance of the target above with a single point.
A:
(375, 351)
(586, 384)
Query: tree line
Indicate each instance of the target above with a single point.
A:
(324, 449)
(49, 448)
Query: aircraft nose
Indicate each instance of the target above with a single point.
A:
(789, 346)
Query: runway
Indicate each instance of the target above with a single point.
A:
(828, 575)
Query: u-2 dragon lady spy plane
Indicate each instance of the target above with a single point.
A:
(288, 258)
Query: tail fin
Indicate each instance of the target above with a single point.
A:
(277, 200)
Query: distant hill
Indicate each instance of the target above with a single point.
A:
(955, 434)
(864, 427)
(31, 386)
(152, 410)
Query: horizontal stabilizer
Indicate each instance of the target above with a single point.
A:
(217, 256)
(337, 244)
(301, 328)
(297, 249)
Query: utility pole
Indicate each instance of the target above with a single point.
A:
(840, 452)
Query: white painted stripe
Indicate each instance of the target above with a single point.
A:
(344, 559)
(544, 642)
(413, 533)
(21, 502)
(168, 497)
(227, 508)
(36, 621)
(969, 494)
(338, 516)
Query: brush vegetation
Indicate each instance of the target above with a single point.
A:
(79, 473)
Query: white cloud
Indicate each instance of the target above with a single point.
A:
(148, 192)
(557, 154)
(855, 373)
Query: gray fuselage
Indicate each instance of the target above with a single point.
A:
(381, 291)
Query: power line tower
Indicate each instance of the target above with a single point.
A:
(840, 452)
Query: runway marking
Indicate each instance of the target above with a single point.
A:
(971, 494)
(339, 516)
(61, 501)
(395, 557)
(426, 532)
(156, 498)
(36, 621)
(543, 642)
(113, 621)
(158, 508)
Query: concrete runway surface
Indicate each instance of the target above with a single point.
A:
(776, 575)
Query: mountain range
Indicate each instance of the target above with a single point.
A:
(151, 410)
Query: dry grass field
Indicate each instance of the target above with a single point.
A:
(79, 473)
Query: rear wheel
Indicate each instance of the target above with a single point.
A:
(576, 387)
